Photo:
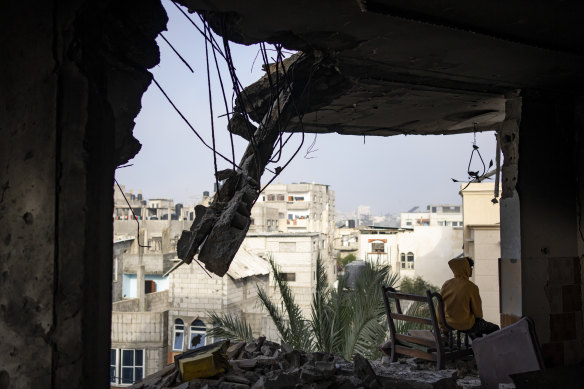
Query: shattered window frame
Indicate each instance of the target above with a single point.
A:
(197, 327)
(178, 331)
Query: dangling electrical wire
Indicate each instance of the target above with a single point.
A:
(211, 109)
(133, 214)
(177, 53)
(189, 124)
(474, 176)
(197, 27)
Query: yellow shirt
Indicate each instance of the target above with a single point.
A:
(462, 302)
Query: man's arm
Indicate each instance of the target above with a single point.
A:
(476, 304)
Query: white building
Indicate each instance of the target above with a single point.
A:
(419, 251)
(442, 215)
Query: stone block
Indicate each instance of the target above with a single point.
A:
(553, 354)
(562, 326)
(554, 298)
(562, 271)
(571, 298)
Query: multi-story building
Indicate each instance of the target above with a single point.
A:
(302, 207)
(158, 312)
(443, 215)
(419, 251)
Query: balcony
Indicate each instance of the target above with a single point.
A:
(297, 223)
(377, 257)
(297, 205)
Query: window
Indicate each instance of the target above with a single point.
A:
(179, 335)
(156, 244)
(198, 334)
(441, 223)
(378, 247)
(149, 286)
(403, 260)
(408, 222)
(271, 197)
(126, 366)
(113, 365)
(433, 209)
(280, 197)
(410, 260)
(289, 276)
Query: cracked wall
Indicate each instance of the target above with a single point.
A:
(72, 86)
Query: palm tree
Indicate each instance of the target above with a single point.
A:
(230, 327)
(343, 321)
(287, 317)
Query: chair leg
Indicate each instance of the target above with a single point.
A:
(393, 353)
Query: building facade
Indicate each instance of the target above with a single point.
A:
(420, 251)
(482, 242)
(161, 310)
(436, 215)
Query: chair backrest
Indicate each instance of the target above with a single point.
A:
(398, 297)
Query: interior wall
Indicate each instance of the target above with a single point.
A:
(550, 257)
(71, 86)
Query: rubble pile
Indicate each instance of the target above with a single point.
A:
(262, 364)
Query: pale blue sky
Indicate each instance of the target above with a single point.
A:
(390, 174)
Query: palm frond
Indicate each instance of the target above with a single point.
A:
(322, 316)
(367, 327)
(275, 313)
(230, 327)
(295, 331)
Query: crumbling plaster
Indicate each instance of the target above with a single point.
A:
(71, 85)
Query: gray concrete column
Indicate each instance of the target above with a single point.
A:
(547, 237)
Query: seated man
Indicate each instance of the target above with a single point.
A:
(462, 302)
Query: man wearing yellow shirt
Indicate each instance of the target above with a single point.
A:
(462, 302)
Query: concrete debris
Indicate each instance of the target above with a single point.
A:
(251, 368)
(218, 230)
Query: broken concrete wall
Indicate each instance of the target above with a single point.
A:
(71, 86)
(551, 291)
(142, 330)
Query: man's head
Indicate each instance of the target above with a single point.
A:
(471, 264)
(461, 266)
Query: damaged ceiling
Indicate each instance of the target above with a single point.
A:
(413, 67)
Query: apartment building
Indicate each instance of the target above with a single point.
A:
(153, 322)
(442, 215)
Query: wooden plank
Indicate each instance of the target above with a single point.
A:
(404, 296)
(415, 353)
(416, 340)
(415, 319)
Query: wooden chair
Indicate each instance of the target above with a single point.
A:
(435, 347)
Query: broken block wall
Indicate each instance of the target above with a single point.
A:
(551, 237)
(72, 79)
